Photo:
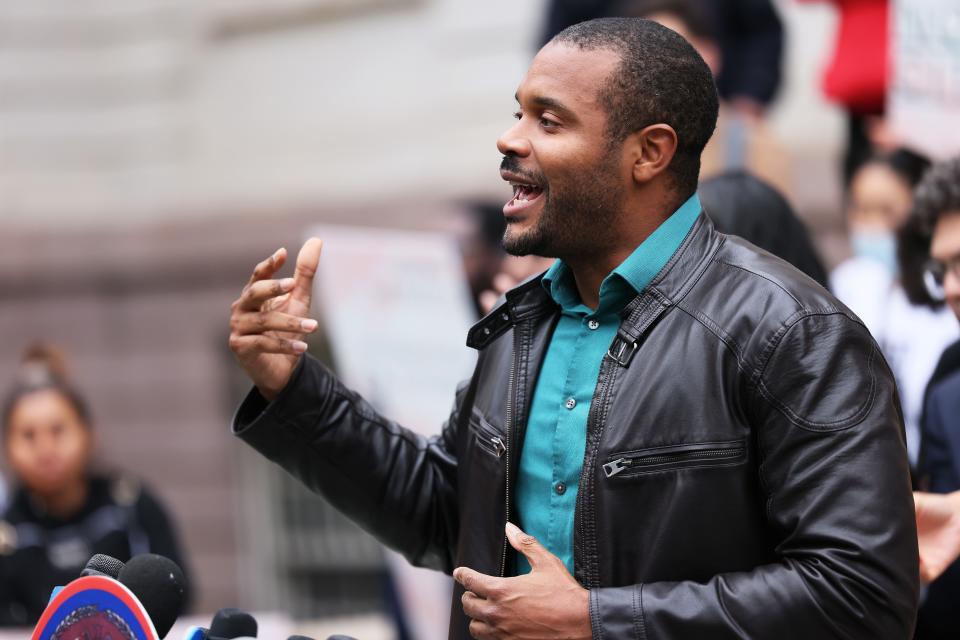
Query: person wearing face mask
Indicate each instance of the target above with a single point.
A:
(936, 216)
(61, 512)
(911, 336)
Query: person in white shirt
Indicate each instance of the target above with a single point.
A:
(911, 336)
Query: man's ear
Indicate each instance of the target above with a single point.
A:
(652, 148)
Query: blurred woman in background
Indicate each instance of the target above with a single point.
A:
(871, 283)
(741, 204)
(60, 511)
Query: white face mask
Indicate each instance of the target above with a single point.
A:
(880, 246)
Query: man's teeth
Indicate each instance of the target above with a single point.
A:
(521, 191)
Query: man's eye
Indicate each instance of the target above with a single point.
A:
(548, 123)
(517, 115)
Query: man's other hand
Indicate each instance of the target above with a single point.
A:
(938, 531)
(269, 320)
(545, 603)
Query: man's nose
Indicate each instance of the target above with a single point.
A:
(513, 142)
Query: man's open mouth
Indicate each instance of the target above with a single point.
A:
(526, 191)
(523, 193)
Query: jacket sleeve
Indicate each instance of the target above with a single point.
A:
(398, 485)
(833, 468)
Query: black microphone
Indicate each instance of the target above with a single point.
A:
(159, 585)
(231, 623)
(102, 565)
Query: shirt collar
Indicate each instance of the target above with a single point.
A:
(632, 275)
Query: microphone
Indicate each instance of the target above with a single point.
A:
(102, 565)
(339, 637)
(99, 565)
(232, 623)
(227, 624)
(142, 597)
(158, 583)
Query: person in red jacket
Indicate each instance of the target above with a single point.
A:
(856, 77)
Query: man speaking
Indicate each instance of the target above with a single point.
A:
(696, 440)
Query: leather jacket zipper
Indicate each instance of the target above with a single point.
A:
(584, 517)
(641, 461)
(511, 399)
(488, 439)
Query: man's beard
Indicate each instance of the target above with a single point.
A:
(577, 218)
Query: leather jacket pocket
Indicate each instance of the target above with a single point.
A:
(487, 437)
(672, 457)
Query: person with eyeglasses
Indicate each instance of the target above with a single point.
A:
(936, 217)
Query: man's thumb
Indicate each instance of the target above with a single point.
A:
(526, 544)
(306, 269)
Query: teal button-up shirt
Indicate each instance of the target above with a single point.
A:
(556, 434)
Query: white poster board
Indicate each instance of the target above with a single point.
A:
(924, 95)
(397, 308)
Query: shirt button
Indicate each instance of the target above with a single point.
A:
(593, 325)
(570, 403)
(560, 488)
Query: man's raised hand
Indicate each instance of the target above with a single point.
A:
(268, 322)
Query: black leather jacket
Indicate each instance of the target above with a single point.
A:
(745, 472)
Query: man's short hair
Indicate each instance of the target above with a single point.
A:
(937, 193)
(661, 79)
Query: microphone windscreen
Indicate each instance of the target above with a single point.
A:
(232, 623)
(160, 587)
(102, 565)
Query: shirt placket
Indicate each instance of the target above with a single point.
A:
(569, 418)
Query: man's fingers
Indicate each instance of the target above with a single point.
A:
(475, 607)
(481, 630)
(260, 321)
(257, 293)
(257, 344)
(483, 585)
(270, 266)
(307, 262)
(526, 544)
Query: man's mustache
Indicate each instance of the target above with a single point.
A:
(512, 164)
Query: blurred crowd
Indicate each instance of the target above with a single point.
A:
(901, 212)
